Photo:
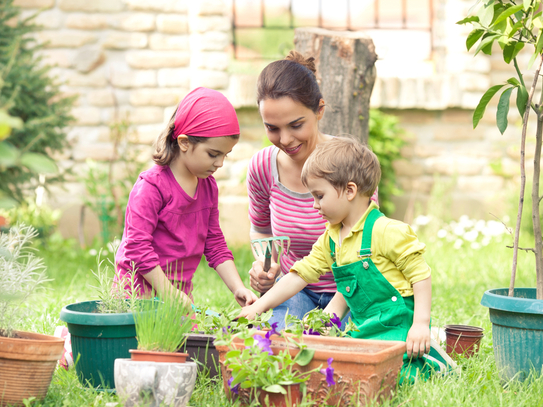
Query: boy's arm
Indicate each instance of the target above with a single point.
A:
(229, 274)
(418, 338)
(285, 288)
(337, 305)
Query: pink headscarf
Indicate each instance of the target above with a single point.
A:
(205, 113)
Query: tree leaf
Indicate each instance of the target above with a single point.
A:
(486, 14)
(304, 356)
(472, 19)
(486, 42)
(8, 154)
(507, 13)
(526, 4)
(522, 99)
(511, 50)
(39, 163)
(473, 37)
(517, 26)
(503, 110)
(481, 107)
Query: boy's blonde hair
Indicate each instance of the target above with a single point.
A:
(343, 160)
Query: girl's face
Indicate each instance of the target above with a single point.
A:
(203, 159)
(291, 126)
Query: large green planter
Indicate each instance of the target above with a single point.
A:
(97, 340)
(517, 331)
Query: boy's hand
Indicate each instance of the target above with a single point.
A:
(245, 297)
(418, 340)
(249, 312)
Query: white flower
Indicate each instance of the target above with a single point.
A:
(422, 220)
(458, 243)
(480, 225)
(105, 252)
(485, 241)
(494, 228)
(471, 236)
(113, 246)
(506, 219)
(475, 245)
(93, 252)
(459, 230)
(441, 233)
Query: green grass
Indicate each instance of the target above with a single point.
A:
(459, 279)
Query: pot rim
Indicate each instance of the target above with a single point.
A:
(498, 299)
(71, 315)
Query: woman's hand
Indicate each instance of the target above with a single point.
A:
(418, 340)
(245, 297)
(261, 281)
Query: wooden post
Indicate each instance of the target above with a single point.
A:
(346, 74)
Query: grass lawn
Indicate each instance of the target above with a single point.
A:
(460, 276)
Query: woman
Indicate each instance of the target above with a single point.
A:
(291, 106)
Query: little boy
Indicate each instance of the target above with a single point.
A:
(377, 262)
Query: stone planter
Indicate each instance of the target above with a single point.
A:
(27, 364)
(154, 384)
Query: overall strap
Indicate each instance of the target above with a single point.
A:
(332, 248)
(365, 247)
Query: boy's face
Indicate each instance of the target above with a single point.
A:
(332, 205)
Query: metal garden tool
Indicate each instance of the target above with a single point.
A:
(265, 247)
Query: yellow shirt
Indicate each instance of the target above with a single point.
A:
(396, 252)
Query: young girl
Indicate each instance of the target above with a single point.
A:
(172, 216)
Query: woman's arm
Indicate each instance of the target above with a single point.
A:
(229, 274)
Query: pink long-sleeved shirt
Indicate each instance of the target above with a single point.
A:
(165, 226)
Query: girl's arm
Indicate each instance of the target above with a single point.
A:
(337, 305)
(418, 338)
(229, 274)
(285, 288)
(163, 286)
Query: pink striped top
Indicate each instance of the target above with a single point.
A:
(275, 209)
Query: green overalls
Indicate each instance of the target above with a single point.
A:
(377, 308)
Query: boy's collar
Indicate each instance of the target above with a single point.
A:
(334, 229)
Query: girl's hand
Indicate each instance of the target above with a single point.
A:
(261, 281)
(249, 312)
(245, 297)
(418, 340)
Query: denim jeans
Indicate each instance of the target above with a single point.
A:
(300, 304)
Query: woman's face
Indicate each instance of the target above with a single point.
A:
(291, 126)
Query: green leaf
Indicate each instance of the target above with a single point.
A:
(507, 13)
(511, 50)
(526, 4)
(304, 356)
(481, 107)
(503, 110)
(522, 99)
(275, 388)
(513, 81)
(517, 26)
(7, 203)
(8, 154)
(472, 19)
(39, 163)
(486, 42)
(538, 48)
(473, 37)
(486, 14)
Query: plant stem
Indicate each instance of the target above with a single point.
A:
(522, 177)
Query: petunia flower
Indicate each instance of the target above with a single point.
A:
(310, 331)
(263, 343)
(329, 373)
(273, 330)
(336, 321)
(234, 389)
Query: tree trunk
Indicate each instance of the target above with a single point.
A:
(345, 62)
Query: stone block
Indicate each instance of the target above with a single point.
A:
(138, 22)
(408, 168)
(424, 150)
(450, 164)
(102, 97)
(480, 184)
(457, 132)
(95, 79)
(162, 6)
(92, 134)
(58, 57)
(80, 21)
(422, 184)
(253, 133)
(407, 151)
(172, 23)
(156, 96)
(234, 219)
(458, 116)
(242, 151)
(207, 7)
(143, 115)
(48, 20)
(88, 59)
(415, 116)
(93, 6)
(232, 188)
(241, 89)
(209, 79)
(34, 3)
(210, 60)
(125, 78)
(174, 77)
(148, 133)
(157, 59)
(94, 151)
(86, 116)
(209, 41)
(65, 38)
(204, 24)
(124, 40)
(159, 41)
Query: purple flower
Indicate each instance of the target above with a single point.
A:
(263, 343)
(273, 330)
(329, 373)
(336, 321)
(234, 389)
(311, 332)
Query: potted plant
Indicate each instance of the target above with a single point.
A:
(101, 330)
(27, 359)
(253, 371)
(157, 373)
(516, 313)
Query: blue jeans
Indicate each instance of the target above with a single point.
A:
(300, 304)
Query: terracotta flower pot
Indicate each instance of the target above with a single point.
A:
(153, 356)
(27, 364)
(291, 399)
(463, 339)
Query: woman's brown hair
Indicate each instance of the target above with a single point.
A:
(292, 77)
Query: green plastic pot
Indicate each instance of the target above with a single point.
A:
(97, 340)
(517, 331)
